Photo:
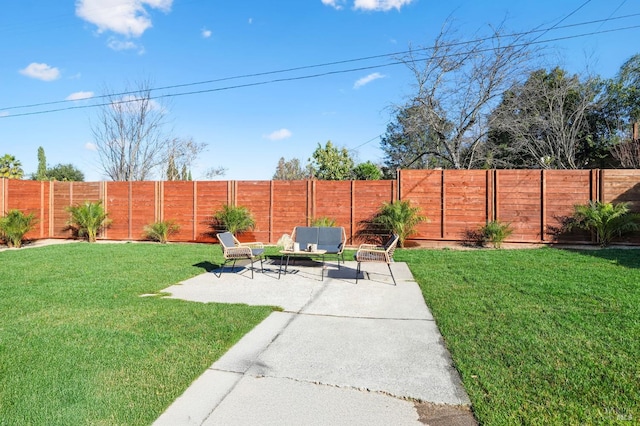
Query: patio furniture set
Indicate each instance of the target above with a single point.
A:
(307, 241)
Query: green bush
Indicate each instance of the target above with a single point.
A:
(88, 219)
(605, 220)
(14, 226)
(399, 218)
(323, 221)
(495, 232)
(235, 219)
(161, 231)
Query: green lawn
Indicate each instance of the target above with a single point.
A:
(541, 336)
(79, 346)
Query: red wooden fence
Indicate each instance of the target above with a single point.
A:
(534, 202)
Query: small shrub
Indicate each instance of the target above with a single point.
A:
(88, 219)
(235, 219)
(399, 218)
(161, 231)
(495, 232)
(14, 226)
(323, 222)
(605, 220)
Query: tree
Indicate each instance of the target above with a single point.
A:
(410, 146)
(331, 163)
(172, 171)
(367, 171)
(10, 167)
(620, 113)
(65, 173)
(544, 121)
(456, 85)
(291, 170)
(41, 174)
(130, 136)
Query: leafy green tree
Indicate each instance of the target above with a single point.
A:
(399, 218)
(367, 171)
(10, 167)
(235, 219)
(65, 173)
(41, 174)
(411, 144)
(331, 163)
(605, 220)
(172, 171)
(14, 226)
(88, 219)
(291, 170)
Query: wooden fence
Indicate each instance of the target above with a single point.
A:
(534, 202)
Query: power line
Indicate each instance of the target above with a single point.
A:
(280, 80)
(327, 64)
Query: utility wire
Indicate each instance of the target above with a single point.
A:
(327, 64)
(280, 80)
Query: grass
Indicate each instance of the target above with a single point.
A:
(539, 336)
(78, 345)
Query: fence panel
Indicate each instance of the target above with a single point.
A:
(423, 188)
(534, 202)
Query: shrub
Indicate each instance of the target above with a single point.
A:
(399, 218)
(495, 232)
(235, 219)
(161, 231)
(88, 219)
(14, 226)
(323, 222)
(605, 220)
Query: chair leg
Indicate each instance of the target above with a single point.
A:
(357, 272)
(252, 268)
(392, 277)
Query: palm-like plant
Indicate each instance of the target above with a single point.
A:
(14, 226)
(323, 221)
(161, 231)
(496, 232)
(606, 220)
(88, 219)
(399, 218)
(235, 219)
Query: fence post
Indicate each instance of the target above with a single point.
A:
(543, 204)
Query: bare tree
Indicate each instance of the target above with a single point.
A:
(130, 134)
(457, 83)
(181, 153)
(545, 119)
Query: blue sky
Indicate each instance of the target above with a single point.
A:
(67, 50)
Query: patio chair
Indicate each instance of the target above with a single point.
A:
(232, 249)
(379, 254)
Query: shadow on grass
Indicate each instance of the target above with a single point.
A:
(628, 257)
(208, 266)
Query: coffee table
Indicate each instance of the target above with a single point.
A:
(300, 253)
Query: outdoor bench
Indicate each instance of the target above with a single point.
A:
(332, 239)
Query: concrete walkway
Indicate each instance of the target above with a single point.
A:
(339, 353)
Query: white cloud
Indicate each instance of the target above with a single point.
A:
(42, 72)
(115, 44)
(368, 79)
(250, 21)
(279, 135)
(380, 5)
(78, 96)
(336, 4)
(205, 33)
(90, 146)
(372, 5)
(126, 17)
(4, 113)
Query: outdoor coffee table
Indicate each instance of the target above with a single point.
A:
(300, 253)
